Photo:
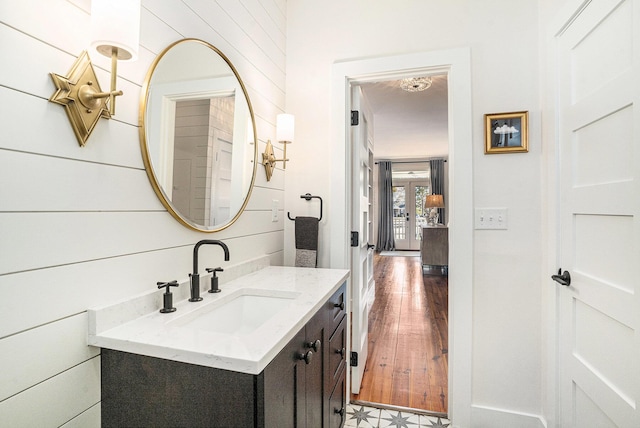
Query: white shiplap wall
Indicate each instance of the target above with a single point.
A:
(81, 227)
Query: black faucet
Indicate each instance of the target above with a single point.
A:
(195, 276)
(167, 296)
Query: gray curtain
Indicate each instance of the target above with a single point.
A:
(437, 183)
(386, 241)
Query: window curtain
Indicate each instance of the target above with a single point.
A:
(386, 241)
(437, 183)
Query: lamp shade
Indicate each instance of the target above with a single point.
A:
(285, 125)
(434, 201)
(116, 23)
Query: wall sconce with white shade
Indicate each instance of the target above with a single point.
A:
(285, 126)
(115, 33)
(432, 203)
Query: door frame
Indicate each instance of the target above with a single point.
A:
(457, 64)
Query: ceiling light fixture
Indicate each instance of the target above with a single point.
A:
(416, 84)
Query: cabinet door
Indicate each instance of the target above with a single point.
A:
(336, 353)
(317, 341)
(142, 391)
(337, 306)
(337, 403)
(283, 386)
(435, 246)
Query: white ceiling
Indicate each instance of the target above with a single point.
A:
(409, 125)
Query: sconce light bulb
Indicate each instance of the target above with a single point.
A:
(116, 24)
(285, 126)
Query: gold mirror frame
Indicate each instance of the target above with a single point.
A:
(144, 144)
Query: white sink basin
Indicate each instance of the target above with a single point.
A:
(238, 313)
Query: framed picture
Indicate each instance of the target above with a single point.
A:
(506, 132)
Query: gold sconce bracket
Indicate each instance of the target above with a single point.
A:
(79, 92)
(269, 160)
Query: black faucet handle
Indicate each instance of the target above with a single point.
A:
(167, 296)
(173, 283)
(214, 270)
(214, 279)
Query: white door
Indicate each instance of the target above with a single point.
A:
(599, 149)
(180, 190)
(220, 163)
(409, 213)
(362, 284)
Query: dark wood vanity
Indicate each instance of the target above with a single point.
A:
(303, 386)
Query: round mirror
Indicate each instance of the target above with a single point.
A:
(197, 135)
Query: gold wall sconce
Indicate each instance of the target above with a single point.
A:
(285, 124)
(115, 31)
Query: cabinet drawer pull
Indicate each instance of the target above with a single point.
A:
(341, 352)
(307, 356)
(339, 305)
(341, 413)
(315, 345)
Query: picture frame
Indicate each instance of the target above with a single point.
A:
(506, 132)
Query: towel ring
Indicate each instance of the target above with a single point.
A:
(308, 197)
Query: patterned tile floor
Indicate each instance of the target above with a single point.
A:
(369, 417)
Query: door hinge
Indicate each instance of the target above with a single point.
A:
(355, 117)
(355, 240)
(354, 359)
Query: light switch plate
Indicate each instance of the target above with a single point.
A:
(491, 218)
(274, 210)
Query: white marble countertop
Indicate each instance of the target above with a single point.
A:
(162, 335)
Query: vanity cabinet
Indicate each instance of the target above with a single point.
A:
(303, 386)
(303, 381)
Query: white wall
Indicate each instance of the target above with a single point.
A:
(82, 227)
(503, 38)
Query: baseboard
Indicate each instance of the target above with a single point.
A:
(489, 417)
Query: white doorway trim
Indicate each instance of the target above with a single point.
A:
(457, 63)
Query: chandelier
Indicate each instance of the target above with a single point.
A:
(416, 84)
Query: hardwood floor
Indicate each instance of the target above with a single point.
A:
(408, 337)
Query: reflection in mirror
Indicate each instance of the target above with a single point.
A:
(198, 135)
